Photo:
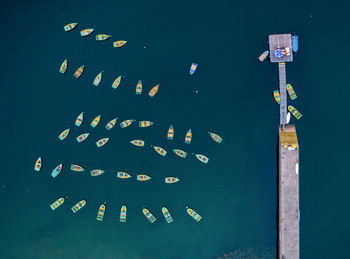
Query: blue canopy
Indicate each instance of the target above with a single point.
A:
(278, 53)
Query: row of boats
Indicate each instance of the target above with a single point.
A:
(123, 211)
(292, 96)
(99, 37)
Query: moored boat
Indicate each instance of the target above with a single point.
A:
(170, 134)
(57, 203)
(76, 168)
(79, 119)
(119, 43)
(167, 215)
(291, 93)
(123, 175)
(143, 177)
(193, 68)
(149, 215)
(123, 211)
(288, 117)
(139, 87)
(98, 79)
(126, 123)
(111, 124)
(102, 142)
(180, 153)
(276, 95)
(101, 37)
(202, 158)
(144, 124)
(96, 172)
(193, 214)
(86, 32)
(78, 206)
(188, 137)
(215, 137)
(154, 90)
(116, 82)
(82, 137)
(297, 167)
(295, 112)
(263, 56)
(295, 43)
(64, 134)
(95, 122)
(70, 26)
(171, 179)
(101, 212)
(57, 170)
(138, 142)
(79, 71)
(63, 67)
(159, 150)
(38, 164)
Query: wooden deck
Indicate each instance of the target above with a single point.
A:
(283, 93)
(280, 41)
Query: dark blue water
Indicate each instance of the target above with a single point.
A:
(235, 192)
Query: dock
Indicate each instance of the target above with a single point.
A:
(283, 92)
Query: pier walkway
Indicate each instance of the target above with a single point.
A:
(283, 93)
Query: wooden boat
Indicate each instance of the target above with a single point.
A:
(202, 158)
(111, 124)
(116, 82)
(193, 214)
(78, 206)
(96, 172)
(63, 67)
(143, 177)
(188, 137)
(291, 92)
(215, 137)
(137, 142)
(139, 87)
(38, 164)
(171, 179)
(263, 56)
(193, 68)
(101, 212)
(294, 111)
(149, 215)
(180, 153)
(153, 91)
(123, 214)
(170, 134)
(144, 124)
(82, 137)
(79, 71)
(76, 168)
(126, 123)
(119, 43)
(98, 79)
(70, 26)
(57, 170)
(159, 150)
(123, 175)
(167, 215)
(276, 95)
(86, 32)
(64, 134)
(95, 122)
(102, 142)
(57, 203)
(288, 117)
(101, 37)
(79, 119)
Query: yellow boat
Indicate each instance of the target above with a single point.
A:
(170, 134)
(64, 134)
(143, 177)
(126, 123)
(123, 214)
(38, 164)
(111, 124)
(291, 93)
(149, 215)
(101, 37)
(193, 214)
(119, 43)
(295, 112)
(144, 124)
(171, 179)
(139, 87)
(58, 203)
(86, 32)
(95, 122)
(188, 137)
(116, 82)
(276, 95)
(79, 119)
(70, 26)
(153, 91)
(180, 153)
(96, 172)
(159, 150)
(98, 79)
(167, 215)
(79, 71)
(215, 137)
(63, 67)
(78, 206)
(101, 212)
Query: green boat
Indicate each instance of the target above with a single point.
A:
(291, 92)
(295, 112)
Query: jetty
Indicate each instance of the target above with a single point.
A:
(280, 46)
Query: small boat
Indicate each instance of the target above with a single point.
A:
(38, 164)
(78, 206)
(288, 117)
(149, 215)
(58, 203)
(291, 92)
(137, 142)
(82, 137)
(79, 119)
(123, 175)
(139, 87)
(294, 111)
(144, 124)
(159, 150)
(215, 137)
(79, 71)
(57, 170)
(202, 158)
(263, 56)
(96, 172)
(126, 123)
(86, 32)
(116, 82)
(111, 124)
(188, 137)
(76, 168)
(297, 167)
(119, 43)
(64, 134)
(193, 214)
(180, 153)
(153, 91)
(143, 177)
(193, 68)
(171, 179)
(276, 95)
(167, 215)
(70, 26)
(63, 67)
(123, 214)
(101, 37)
(95, 122)
(101, 212)
(102, 142)
(98, 79)
(295, 43)
(170, 134)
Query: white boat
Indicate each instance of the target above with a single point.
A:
(297, 167)
(288, 117)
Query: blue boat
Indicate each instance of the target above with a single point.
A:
(295, 43)
(193, 68)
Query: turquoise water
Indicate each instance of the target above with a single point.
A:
(235, 192)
